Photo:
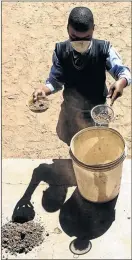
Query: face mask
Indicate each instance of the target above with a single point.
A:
(80, 46)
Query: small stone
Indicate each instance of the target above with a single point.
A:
(11, 97)
(26, 250)
(4, 240)
(57, 231)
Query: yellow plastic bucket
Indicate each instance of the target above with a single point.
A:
(97, 154)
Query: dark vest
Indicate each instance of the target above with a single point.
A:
(86, 73)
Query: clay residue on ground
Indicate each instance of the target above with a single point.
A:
(29, 33)
(21, 238)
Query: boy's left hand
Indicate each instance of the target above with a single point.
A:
(116, 90)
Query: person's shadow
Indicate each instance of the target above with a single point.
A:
(59, 175)
(85, 220)
(78, 217)
(81, 218)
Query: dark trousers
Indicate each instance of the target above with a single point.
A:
(74, 116)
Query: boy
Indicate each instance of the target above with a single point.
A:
(80, 64)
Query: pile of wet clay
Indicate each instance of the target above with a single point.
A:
(21, 238)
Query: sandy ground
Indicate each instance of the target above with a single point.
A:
(29, 33)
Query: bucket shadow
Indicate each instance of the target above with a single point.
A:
(59, 175)
(86, 220)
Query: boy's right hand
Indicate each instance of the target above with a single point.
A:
(39, 92)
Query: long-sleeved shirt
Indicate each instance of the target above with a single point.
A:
(113, 65)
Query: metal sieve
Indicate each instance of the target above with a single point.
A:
(102, 114)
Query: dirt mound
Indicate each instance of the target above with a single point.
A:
(21, 238)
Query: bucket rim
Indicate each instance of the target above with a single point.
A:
(98, 166)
